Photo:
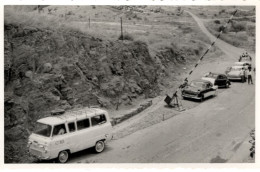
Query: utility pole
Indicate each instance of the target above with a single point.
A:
(122, 37)
(89, 22)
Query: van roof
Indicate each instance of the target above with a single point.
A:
(71, 115)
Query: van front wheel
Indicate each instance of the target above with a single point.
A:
(63, 156)
(100, 146)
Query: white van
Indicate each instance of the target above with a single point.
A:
(59, 136)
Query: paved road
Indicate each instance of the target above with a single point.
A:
(212, 131)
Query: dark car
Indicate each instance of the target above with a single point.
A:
(199, 89)
(221, 80)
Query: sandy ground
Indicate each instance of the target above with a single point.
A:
(215, 131)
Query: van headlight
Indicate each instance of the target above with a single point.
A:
(41, 146)
(29, 143)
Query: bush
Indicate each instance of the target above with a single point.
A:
(238, 27)
(223, 29)
(217, 21)
(251, 30)
(222, 11)
(126, 36)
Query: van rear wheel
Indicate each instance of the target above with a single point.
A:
(100, 146)
(63, 156)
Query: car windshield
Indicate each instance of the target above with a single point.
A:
(43, 129)
(212, 75)
(245, 59)
(197, 84)
(236, 69)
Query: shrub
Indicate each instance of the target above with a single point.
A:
(238, 27)
(222, 11)
(217, 21)
(126, 36)
(251, 30)
(223, 29)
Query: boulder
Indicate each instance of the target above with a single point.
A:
(29, 74)
(47, 67)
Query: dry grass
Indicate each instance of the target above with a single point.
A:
(158, 30)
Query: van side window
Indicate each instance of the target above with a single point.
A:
(100, 119)
(59, 130)
(72, 127)
(83, 124)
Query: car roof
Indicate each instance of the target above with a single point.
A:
(213, 73)
(72, 115)
(241, 62)
(200, 80)
(236, 67)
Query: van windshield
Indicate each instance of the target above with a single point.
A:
(43, 129)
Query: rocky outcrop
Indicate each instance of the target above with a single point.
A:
(46, 70)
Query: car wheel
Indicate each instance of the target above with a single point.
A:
(202, 98)
(63, 156)
(242, 79)
(227, 85)
(100, 146)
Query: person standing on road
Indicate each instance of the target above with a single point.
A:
(249, 76)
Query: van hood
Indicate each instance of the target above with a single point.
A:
(212, 80)
(38, 139)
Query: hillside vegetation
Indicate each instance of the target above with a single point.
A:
(241, 30)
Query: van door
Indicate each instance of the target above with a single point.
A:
(83, 134)
(74, 144)
(60, 139)
(101, 127)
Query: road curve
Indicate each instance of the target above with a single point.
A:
(229, 50)
(213, 131)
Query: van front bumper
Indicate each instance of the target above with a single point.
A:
(39, 154)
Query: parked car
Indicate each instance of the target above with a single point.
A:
(217, 79)
(199, 89)
(59, 136)
(236, 73)
(246, 58)
(246, 64)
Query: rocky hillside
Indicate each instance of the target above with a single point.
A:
(46, 70)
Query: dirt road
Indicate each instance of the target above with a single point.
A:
(211, 131)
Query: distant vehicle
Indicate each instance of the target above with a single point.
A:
(220, 80)
(236, 73)
(245, 58)
(59, 136)
(246, 64)
(199, 89)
